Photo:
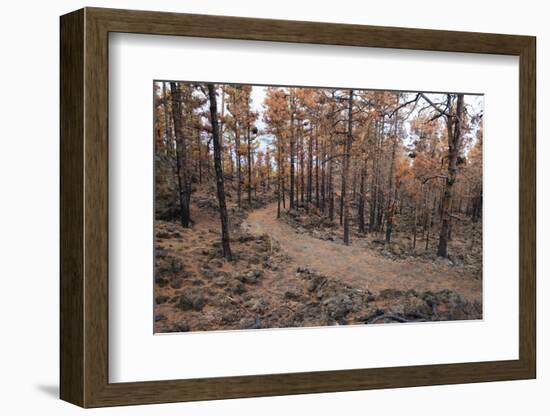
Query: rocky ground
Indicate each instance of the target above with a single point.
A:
(266, 286)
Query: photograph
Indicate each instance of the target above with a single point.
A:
(253, 203)
(281, 206)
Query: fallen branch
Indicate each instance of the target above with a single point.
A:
(388, 316)
(367, 318)
(397, 318)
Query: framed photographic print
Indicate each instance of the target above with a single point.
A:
(260, 207)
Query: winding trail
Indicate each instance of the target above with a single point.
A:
(362, 267)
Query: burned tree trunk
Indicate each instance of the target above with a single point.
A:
(184, 188)
(375, 194)
(331, 181)
(222, 121)
(362, 194)
(346, 169)
(219, 172)
(249, 164)
(238, 164)
(302, 169)
(317, 191)
(323, 175)
(342, 191)
(477, 206)
(279, 179)
(292, 154)
(415, 222)
(199, 158)
(390, 211)
(310, 170)
(454, 138)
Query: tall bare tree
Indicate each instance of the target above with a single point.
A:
(183, 180)
(454, 120)
(219, 172)
(346, 169)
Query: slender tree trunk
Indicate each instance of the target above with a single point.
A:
(450, 231)
(375, 179)
(323, 176)
(425, 213)
(373, 196)
(379, 184)
(283, 189)
(222, 120)
(342, 192)
(429, 215)
(208, 167)
(219, 172)
(302, 168)
(310, 169)
(231, 166)
(168, 138)
(454, 132)
(346, 168)
(279, 177)
(478, 207)
(428, 231)
(249, 162)
(362, 194)
(415, 220)
(361, 204)
(199, 161)
(331, 181)
(354, 182)
(268, 172)
(292, 154)
(317, 191)
(181, 157)
(391, 202)
(238, 163)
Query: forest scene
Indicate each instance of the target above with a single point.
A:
(280, 207)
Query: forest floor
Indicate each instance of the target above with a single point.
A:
(282, 276)
(359, 266)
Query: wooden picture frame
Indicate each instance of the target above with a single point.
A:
(84, 207)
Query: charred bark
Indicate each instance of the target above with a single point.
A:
(184, 185)
(346, 169)
(454, 137)
(219, 172)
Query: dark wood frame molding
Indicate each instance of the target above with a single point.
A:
(84, 208)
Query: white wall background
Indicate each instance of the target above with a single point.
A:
(29, 159)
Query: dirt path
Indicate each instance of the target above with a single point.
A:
(361, 267)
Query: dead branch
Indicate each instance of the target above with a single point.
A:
(395, 110)
(435, 106)
(388, 316)
(398, 318)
